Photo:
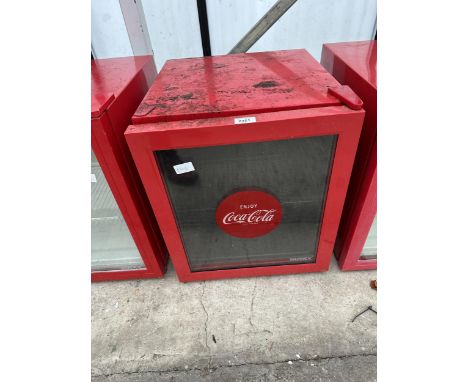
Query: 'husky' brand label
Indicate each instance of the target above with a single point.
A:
(249, 213)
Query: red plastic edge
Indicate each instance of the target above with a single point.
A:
(346, 95)
(99, 103)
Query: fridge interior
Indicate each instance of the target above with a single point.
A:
(370, 247)
(112, 245)
(295, 171)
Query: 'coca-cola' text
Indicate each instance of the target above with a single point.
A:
(249, 213)
(254, 217)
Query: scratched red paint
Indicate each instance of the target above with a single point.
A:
(241, 83)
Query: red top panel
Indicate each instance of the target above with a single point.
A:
(109, 77)
(236, 84)
(360, 56)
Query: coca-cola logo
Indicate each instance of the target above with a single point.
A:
(249, 213)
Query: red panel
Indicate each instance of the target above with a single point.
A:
(359, 57)
(113, 75)
(352, 237)
(236, 84)
(127, 79)
(100, 102)
(123, 275)
(354, 64)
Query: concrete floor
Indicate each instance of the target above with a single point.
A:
(282, 328)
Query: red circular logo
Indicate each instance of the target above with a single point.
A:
(249, 213)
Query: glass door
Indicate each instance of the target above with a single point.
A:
(112, 245)
(370, 247)
(249, 205)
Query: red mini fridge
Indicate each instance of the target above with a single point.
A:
(355, 64)
(246, 160)
(125, 239)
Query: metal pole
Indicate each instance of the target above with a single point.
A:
(265, 23)
(204, 28)
(137, 30)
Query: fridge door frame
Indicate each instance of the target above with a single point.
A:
(361, 204)
(349, 250)
(104, 149)
(144, 139)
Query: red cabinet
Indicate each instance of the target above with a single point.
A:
(126, 241)
(354, 64)
(246, 160)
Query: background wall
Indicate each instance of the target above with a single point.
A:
(307, 24)
(109, 36)
(173, 29)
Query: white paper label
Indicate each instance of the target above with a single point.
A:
(238, 121)
(184, 167)
(93, 178)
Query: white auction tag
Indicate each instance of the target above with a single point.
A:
(184, 167)
(238, 121)
(93, 178)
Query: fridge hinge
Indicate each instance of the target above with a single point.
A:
(346, 95)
